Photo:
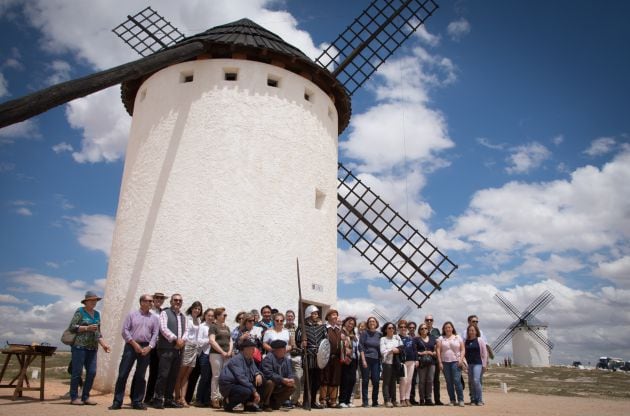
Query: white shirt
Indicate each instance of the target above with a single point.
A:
(387, 348)
(272, 335)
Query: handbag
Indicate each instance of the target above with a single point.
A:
(68, 337)
(426, 361)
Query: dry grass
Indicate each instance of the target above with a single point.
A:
(561, 381)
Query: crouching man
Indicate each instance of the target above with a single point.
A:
(240, 380)
(279, 382)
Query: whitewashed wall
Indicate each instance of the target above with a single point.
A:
(527, 351)
(218, 196)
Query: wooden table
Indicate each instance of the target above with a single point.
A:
(25, 359)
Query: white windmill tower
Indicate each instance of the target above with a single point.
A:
(232, 171)
(530, 343)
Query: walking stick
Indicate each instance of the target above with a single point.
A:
(307, 384)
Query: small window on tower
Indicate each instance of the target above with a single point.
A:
(186, 76)
(308, 95)
(320, 197)
(230, 74)
(273, 81)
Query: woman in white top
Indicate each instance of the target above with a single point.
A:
(191, 349)
(203, 389)
(278, 331)
(389, 348)
(450, 356)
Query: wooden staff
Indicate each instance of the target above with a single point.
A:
(307, 384)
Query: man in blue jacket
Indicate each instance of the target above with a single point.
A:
(279, 381)
(240, 380)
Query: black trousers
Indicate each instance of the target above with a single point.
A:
(153, 373)
(436, 386)
(414, 382)
(239, 395)
(170, 361)
(348, 380)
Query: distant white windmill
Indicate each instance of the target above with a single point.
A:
(530, 344)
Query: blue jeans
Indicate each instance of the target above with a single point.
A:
(203, 389)
(138, 385)
(372, 372)
(453, 377)
(474, 382)
(82, 357)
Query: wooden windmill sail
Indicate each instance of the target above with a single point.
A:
(365, 221)
(530, 344)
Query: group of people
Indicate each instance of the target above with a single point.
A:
(267, 360)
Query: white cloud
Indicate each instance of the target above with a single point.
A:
(46, 321)
(105, 133)
(60, 72)
(570, 308)
(527, 157)
(459, 28)
(601, 146)
(617, 271)
(485, 142)
(4, 86)
(95, 232)
(585, 213)
(6, 167)
(426, 37)
(23, 130)
(557, 140)
(553, 267)
(62, 147)
(23, 211)
(11, 299)
(401, 127)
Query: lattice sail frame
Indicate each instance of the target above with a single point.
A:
(521, 320)
(389, 242)
(147, 32)
(372, 38)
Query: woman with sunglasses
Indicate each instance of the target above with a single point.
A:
(221, 343)
(425, 345)
(450, 356)
(411, 362)
(390, 346)
(277, 331)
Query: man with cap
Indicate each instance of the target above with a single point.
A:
(240, 380)
(309, 338)
(140, 331)
(156, 309)
(279, 382)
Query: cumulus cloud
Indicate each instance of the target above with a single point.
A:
(527, 157)
(23, 130)
(485, 142)
(557, 140)
(617, 271)
(585, 213)
(459, 28)
(60, 72)
(105, 133)
(62, 147)
(569, 308)
(95, 232)
(601, 146)
(427, 38)
(11, 299)
(40, 322)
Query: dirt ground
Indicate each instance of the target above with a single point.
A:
(497, 404)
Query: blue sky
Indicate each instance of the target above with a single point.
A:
(503, 133)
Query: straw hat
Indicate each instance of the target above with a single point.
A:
(89, 295)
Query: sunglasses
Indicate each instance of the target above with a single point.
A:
(402, 327)
(429, 320)
(424, 329)
(147, 300)
(178, 300)
(474, 322)
(279, 320)
(391, 327)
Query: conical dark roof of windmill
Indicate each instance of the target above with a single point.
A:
(245, 39)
